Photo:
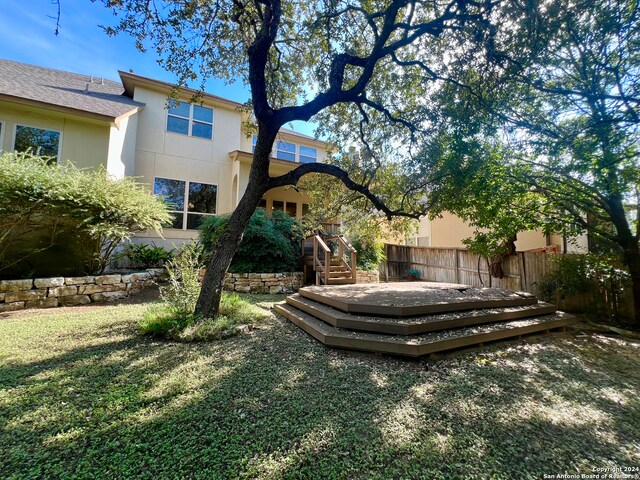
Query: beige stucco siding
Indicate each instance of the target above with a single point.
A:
(85, 142)
(450, 230)
(122, 147)
(171, 155)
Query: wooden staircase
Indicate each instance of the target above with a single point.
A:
(417, 318)
(335, 266)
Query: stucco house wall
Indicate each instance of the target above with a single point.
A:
(82, 140)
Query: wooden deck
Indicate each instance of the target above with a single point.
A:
(446, 320)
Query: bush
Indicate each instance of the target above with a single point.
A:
(166, 321)
(60, 220)
(370, 253)
(598, 275)
(141, 255)
(181, 292)
(270, 243)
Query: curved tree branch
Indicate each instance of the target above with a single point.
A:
(292, 178)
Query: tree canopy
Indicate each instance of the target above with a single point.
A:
(544, 91)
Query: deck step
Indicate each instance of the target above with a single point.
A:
(413, 298)
(418, 345)
(416, 325)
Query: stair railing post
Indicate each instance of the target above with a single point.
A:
(354, 268)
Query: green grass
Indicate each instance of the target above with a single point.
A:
(162, 320)
(83, 395)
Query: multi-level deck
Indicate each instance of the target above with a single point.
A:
(417, 318)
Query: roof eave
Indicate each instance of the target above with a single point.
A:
(69, 110)
(130, 80)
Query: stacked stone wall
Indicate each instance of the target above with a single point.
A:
(285, 282)
(71, 291)
(368, 276)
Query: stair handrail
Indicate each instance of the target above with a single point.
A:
(342, 244)
(318, 242)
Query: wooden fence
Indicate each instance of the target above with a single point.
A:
(522, 271)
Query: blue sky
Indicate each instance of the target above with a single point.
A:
(27, 35)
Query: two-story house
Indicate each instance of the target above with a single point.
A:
(198, 155)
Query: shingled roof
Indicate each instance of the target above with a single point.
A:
(74, 92)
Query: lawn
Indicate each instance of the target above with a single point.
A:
(83, 395)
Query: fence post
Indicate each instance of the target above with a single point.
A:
(457, 252)
(523, 277)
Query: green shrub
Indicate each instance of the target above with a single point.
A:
(141, 255)
(370, 253)
(60, 220)
(568, 276)
(183, 287)
(164, 320)
(270, 243)
(598, 275)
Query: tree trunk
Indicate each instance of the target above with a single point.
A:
(208, 304)
(630, 251)
(632, 259)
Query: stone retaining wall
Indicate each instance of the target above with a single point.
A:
(286, 282)
(69, 291)
(368, 276)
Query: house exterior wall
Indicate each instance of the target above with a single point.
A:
(122, 147)
(450, 230)
(83, 141)
(164, 154)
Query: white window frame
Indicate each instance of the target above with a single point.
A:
(296, 153)
(278, 150)
(307, 156)
(15, 132)
(185, 208)
(191, 120)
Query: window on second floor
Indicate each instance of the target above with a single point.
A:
(290, 151)
(308, 154)
(39, 141)
(190, 119)
(190, 202)
(286, 151)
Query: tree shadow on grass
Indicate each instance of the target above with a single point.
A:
(276, 404)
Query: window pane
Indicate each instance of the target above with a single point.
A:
(202, 113)
(177, 220)
(194, 220)
(305, 209)
(41, 142)
(286, 156)
(172, 191)
(182, 109)
(263, 203)
(177, 125)
(308, 151)
(286, 147)
(202, 130)
(202, 198)
(278, 205)
(304, 159)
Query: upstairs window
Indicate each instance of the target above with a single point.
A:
(308, 154)
(193, 120)
(190, 202)
(286, 151)
(38, 140)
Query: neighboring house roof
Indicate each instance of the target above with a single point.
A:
(58, 90)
